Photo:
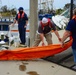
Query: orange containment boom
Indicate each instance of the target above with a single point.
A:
(33, 52)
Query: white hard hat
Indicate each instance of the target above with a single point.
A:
(2, 33)
(44, 20)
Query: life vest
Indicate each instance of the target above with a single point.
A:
(74, 17)
(49, 24)
(21, 15)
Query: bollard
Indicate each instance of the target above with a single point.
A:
(28, 41)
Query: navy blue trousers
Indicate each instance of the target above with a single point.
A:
(22, 34)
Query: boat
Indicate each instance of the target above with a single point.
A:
(11, 31)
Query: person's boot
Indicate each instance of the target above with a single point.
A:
(22, 45)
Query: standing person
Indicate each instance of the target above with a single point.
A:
(22, 20)
(71, 31)
(44, 29)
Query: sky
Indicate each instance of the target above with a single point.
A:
(60, 3)
(16, 3)
(25, 3)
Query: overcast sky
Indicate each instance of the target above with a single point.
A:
(25, 3)
(60, 3)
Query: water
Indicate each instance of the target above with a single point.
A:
(27, 11)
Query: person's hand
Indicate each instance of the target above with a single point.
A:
(62, 44)
(11, 25)
(25, 26)
(43, 44)
(59, 39)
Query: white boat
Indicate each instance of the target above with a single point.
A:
(12, 31)
(61, 20)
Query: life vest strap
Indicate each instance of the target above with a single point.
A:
(21, 15)
(49, 23)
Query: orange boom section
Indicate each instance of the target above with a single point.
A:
(33, 52)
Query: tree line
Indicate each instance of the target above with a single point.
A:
(57, 11)
(5, 11)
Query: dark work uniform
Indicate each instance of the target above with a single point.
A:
(22, 30)
(72, 28)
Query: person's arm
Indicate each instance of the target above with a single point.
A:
(14, 22)
(65, 36)
(55, 30)
(57, 34)
(40, 31)
(67, 32)
(42, 37)
(26, 19)
(26, 23)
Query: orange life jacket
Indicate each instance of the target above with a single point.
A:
(21, 15)
(74, 17)
(49, 24)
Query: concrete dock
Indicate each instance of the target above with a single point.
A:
(37, 66)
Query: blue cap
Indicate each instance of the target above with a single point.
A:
(20, 8)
